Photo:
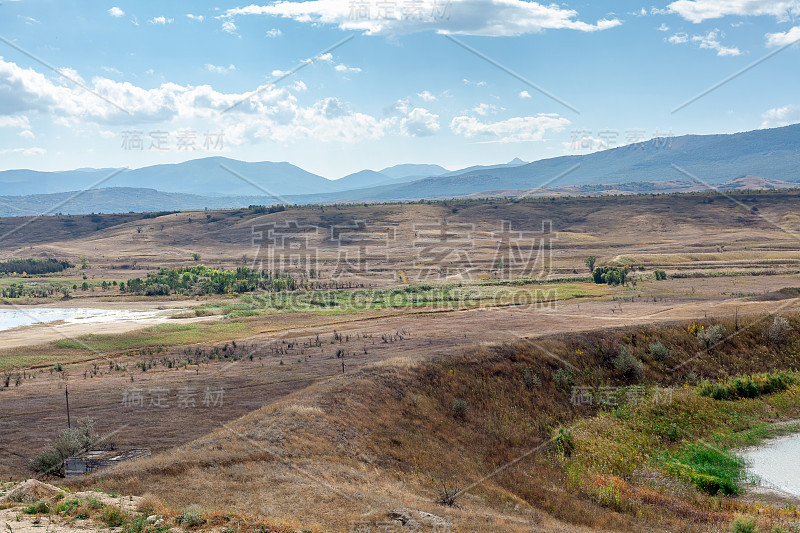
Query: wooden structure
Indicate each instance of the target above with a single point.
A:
(94, 460)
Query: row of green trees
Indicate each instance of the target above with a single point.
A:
(201, 280)
(34, 266)
(19, 290)
(611, 275)
(614, 275)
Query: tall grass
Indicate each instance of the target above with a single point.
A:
(749, 386)
(708, 468)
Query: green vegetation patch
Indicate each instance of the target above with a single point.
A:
(158, 335)
(690, 436)
(750, 386)
(34, 266)
(708, 468)
(39, 507)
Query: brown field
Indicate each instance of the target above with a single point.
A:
(285, 434)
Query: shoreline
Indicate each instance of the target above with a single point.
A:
(119, 319)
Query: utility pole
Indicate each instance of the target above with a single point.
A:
(66, 395)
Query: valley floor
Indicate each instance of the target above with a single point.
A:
(333, 418)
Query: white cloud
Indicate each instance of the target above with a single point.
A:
(160, 21)
(426, 96)
(149, 71)
(228, 26)
(402, 106)
(663, 27)
(485, 109)
(781, 116)
(466, 17)
(116, 12)
(36, 151)
(327, 57)
(274, 32)
(111, 70)
(277, 73)
(19, 121)
(220, 69)
(699, 10)
(27, 134)
(785, 38)
(516, 129)
(709, 41)
(273, 113)
(420, 123)
(524, 94)
(475, 83)
(413, 121)
(29, 20)
(198, 18)
(678, 38)
(345, 69)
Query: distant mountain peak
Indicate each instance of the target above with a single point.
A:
(517, 162)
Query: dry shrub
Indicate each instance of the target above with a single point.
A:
(149, 504)
(778, 330)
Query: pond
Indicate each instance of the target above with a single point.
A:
(777, 463)
(23, 316)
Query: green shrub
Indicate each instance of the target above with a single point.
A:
(660, 275)
(744, 524)
(749, 386)
(94, 503)
(460, 409)
(563, 377)
(530, 378)
(70, 442)
(564, 442)
(190, 519)
(113, 516)
(627, 363)
(137, 526)
(66, 506)
(608, 496)
(778, 330)
(39, 507)
(659, 352)
(712, 336)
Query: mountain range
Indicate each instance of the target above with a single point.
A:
(216, 182)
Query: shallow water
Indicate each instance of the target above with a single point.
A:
(777, 463)
(12, 318)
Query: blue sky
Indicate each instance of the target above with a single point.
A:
(143, 83)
